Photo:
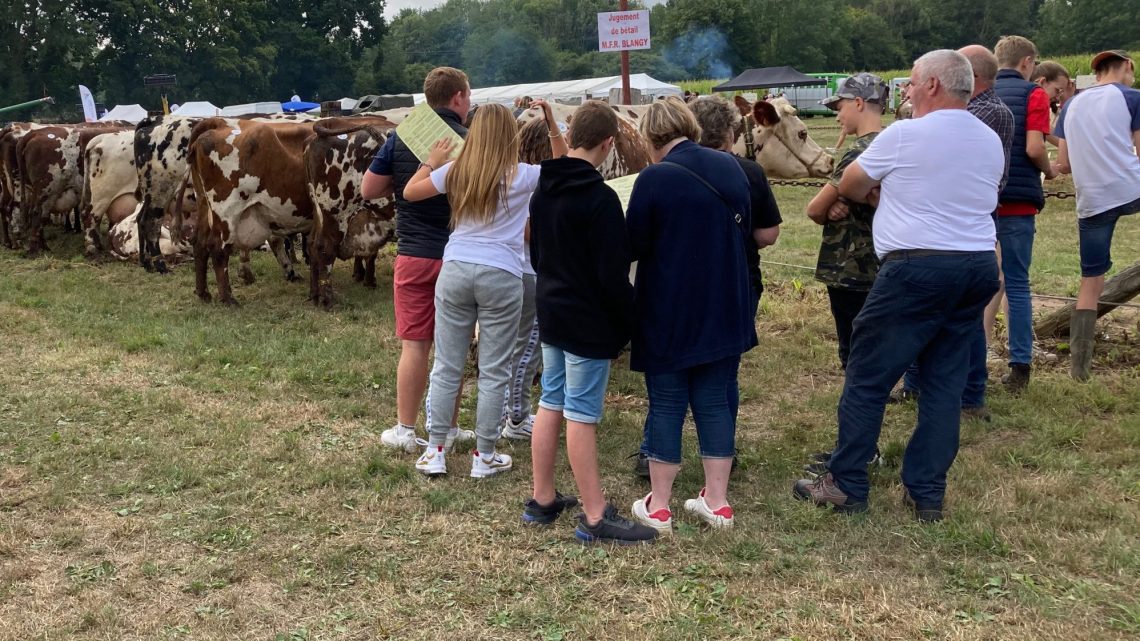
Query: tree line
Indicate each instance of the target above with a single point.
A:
(246, 50)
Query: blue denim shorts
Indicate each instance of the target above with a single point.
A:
(573, 385)
(1096, 238)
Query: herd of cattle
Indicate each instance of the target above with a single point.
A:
(173, 186)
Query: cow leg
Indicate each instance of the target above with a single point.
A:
(283, 250)
(92, 244)
(370, 272)
(34, 233)
(245, 270)
(221, 258)
(305, 248)
(357, 269)
(5, 216)
(322, 255)
(201, 264)
(150, 230)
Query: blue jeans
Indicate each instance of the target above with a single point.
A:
(573, 385)
(976, 378)
(709, 389)
(923, 309)
(1015, 234)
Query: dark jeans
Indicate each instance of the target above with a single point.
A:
(708, 389)
(922, 309)
(845, 306)
(975, 393)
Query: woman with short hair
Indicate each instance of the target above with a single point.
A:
(688, 217)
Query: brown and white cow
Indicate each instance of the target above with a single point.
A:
(10, 181)
(248, 181)
(51, 175)
(345, 225)
(628, 156)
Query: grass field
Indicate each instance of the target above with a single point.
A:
(176, 470)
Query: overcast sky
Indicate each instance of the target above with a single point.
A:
(393, 7)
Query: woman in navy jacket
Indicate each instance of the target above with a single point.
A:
(688, 218)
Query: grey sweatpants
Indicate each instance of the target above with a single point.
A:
(526, 359)
(465, 294)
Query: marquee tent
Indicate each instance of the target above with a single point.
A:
(198, 109)
(769, 77)
(234, 111)
(129, 113)
(569, 89)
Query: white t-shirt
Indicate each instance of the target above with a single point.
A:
(940, 175)
(499, 243)
(1097, 126)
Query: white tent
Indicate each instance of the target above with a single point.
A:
(199, 109)
(347, 104)
(570, 89)
(129, 113)
(234, 111)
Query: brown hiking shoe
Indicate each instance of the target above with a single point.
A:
(824, 493)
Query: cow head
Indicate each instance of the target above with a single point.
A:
(783, 146)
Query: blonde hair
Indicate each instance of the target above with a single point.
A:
(1011, 49)
(668, 119)
(478, 180)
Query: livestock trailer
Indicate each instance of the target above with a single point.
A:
(807, 100)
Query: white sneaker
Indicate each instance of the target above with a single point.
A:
(518, 431)
(718, 518)
(399, 437)
(661, 520)
(482, 467)
(457, 435)
(432, 462)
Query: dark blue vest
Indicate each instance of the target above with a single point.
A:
(422, 228)
(1024, 185)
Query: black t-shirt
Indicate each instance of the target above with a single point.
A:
(765, 214)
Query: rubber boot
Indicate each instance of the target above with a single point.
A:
(1082, 332)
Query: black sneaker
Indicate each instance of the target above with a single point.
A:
(613, 528)
(902, 395)
(641, 465)
(925, 513)
(536, 514)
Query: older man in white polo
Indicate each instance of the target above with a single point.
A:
(935, 179)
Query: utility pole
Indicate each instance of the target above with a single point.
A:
(623, 5)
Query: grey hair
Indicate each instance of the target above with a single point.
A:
(952, 69)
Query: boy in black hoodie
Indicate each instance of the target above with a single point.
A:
(580, 252)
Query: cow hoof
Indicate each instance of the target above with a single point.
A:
(370, 283)
(248, 278)
(160, 267)
(292, 277)
(230, 302)
(204, 297)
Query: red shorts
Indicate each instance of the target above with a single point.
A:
(413, 285)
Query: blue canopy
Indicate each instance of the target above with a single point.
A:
(297, 105)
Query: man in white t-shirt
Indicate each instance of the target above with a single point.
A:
(935, 181)
(1099, 130)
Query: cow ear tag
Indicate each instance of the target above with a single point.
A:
(343, 136)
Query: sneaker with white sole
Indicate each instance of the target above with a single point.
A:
(718, 518)
(483, 465)
(456, 435)
(520, 431)
(432, 462)
(399, 437)
(660, 520)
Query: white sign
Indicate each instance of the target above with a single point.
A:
(623, 30)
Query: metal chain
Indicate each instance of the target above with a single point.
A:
(820, 183)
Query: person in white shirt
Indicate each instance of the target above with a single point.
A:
(1099, 130)
(482, 275)
(934, 180)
